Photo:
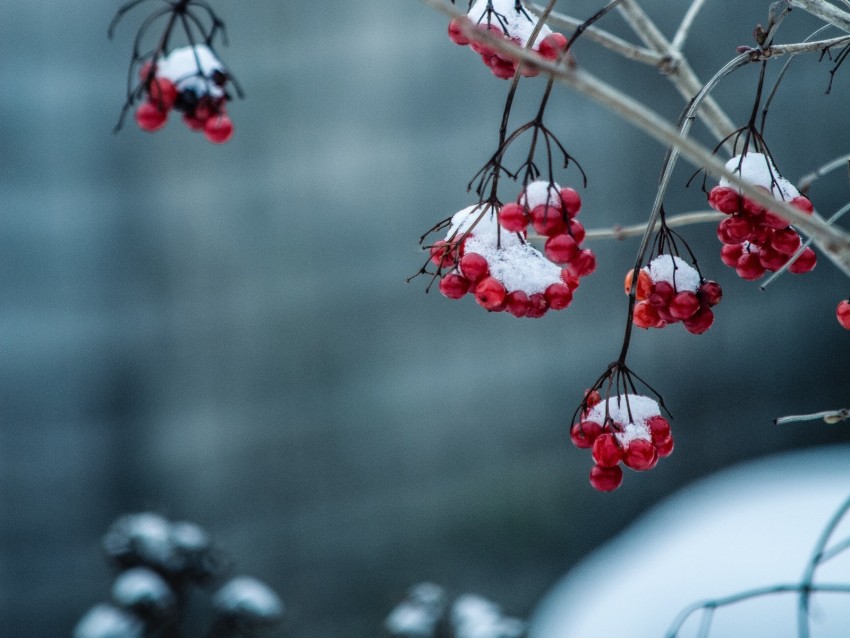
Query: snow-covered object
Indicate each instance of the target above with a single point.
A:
(513, 21)
(189, 538)
(418, 615)
(629, 413)
(541, 193)
(675, 271)
(249, 601)
(192, 68)
(758, 170)
(143, 588)
(476, 617)
(144, 537)
(106, 621)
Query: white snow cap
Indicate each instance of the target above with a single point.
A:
(620, 408)
(106, 621)
(477, 617)
(141, 586)
(757, 169)
(516, 264)
(675, 271)
(417, 617)
(192, 68)
(519, 24)
(535, 194)
(249, 599)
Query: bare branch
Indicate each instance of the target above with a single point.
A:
(637, 230)
(828, 416)
(826, 12)
(687, 23)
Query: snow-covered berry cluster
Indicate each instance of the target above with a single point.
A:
(190, 80)
(627, 429)
(510, 20)
(842, 313)
(756, 240)
(669, 290)
(489, 256)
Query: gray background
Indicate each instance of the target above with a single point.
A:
(224, 334)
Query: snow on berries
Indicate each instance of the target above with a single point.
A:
(669, 290)
(191, 80)
(842, 313)
(512, 21)
(488, 255)
(756, 240)
(625, 429)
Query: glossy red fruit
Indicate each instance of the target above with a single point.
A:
(481, 48)
(558, 296)
(548, 221)
(490, 294)
(646, 316)
(644, 284)
(517, 303)
(662, 294)
(805, 262)
(454, 286)
(772, 220)
(665, 448)
(785, 241)
(592, 399)
(730, 254)
(561, 248)
(512, 217)
(684, 305)
(583, 434)
(710, 293)
(700, 321)
(771, 259)
(570, 279)
(162, 92)
(456, 32)
(802, 202)
(724, 199)
(219, 128)
(583, 264)
(749, 266)
(606, 479)
(442, 254)
(537, 306)
(150, 117)
(577, 231)
(606, 450)
(640, 455)
(474, 267)
(842, 313)
(571, 201)
(734, 229)
(551, 46)
(659, 428)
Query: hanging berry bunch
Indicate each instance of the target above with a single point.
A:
(624, 427)
(756, 240)
(191, 79)
(510, 20)
(670, 290)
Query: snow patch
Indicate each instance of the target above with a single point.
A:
(631, 411)
(675, 271)
(758, 170)
(517, 24)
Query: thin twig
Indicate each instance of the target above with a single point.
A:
(807, 180)
(826, 12)
(636, 230)
(828, 416)
(686, 24)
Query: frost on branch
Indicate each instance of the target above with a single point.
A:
(756, 240)
(511, 20)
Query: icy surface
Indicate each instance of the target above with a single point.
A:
(106, 621)
(476, 617)
(757, 169)
(674, 270)
(519, 24)
(535, 195)
(631, 411)
(518, 265)
(192, 68)
(141, 586)
(248, 599)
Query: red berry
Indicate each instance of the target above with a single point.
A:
(583, 434)
(442, 254)
(570, 279)
(592, 399)
(662, 294)
(548, 221)
(606, 450)
(150, 117)
(700, 321)
(606, 479)
(724, 199)
(571, 201)
(193, 122)
(842, 312)
(558, 296)
(474, 267)
(218, 129)
(802, 202)
(512, 217)
(456, 32)
(730, 254)
(162, 92)
(710, 292)
(583, 264)
(454, 286)
(734, 229)
(646, 316)
(773, 220)
(577, 231)
(517, 303)
(490, 294)
(561, 248)
(659, 428)
(771, 259)
(684, 305)
(804, 263)
(785, 241)
(552, 45)
(479, 47)
(644, 284)
(640, 455)
(537, 306)
(665, 448)
(749, 266)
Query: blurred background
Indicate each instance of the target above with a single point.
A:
(224, 334)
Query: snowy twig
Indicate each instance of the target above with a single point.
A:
(828, 416)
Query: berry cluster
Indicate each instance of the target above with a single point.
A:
(501, 268)
(511, 21)
(756, 240)
(191, 80)
(842, 313)
(626, 429)
(669, 291)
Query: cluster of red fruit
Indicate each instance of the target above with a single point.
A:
(669, 291)
(190, 80)
(627, 429)
(842, 312)
(509, 20)
(756, 240)
(502, 270)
